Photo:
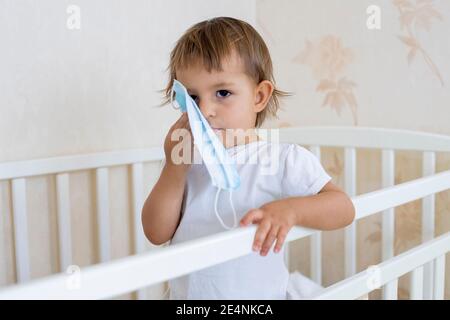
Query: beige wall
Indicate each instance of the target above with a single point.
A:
(94, 89)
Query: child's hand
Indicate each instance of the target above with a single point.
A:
(275, 219)
(180, 130)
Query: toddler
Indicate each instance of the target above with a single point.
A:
(226, 68)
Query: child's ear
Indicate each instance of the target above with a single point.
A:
(263, 92)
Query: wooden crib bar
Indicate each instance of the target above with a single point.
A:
(138, 202)
(64, 229)
(388, 272)
(439, 277)
(428, 217)
(21, 229)
(131, 273)
(350, 231)
(416, 284)
(103, 220)
(316, 241)
(388, 140)
(388, 219)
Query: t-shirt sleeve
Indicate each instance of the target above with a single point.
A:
(303, 173)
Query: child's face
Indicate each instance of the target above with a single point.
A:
(228, 99)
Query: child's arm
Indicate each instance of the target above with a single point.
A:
(330, 209)
(162, 209)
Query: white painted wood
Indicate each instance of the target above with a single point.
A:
(366, 137)
(287, 260)
(331, 136)
(137, 195)
(390, 290)
(365, 205)
(399, 194)
(439, 278)
(19, 204)
(103, 219)
(28, 168)
(388, 217)
(133, 272)
(139, 237)
(64, 225)
(316, 241)
(316, 258)
(416, 284)
(428, 214)
(428, 203)
(361, 137)
(357, 285)
(350, 231)
(166, 283)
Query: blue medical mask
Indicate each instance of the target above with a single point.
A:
(221, 167)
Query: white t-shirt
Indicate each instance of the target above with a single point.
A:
(268, 171)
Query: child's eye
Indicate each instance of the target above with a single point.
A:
(193, 97)
(223, 93)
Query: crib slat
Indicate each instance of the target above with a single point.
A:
(63, 205)
(390, 290)
(139, 245)
(103, 214)
(286, 256)
(428, 212)
(416, 284)
(137, 183)
(19, 203)
(388, 217)
(439, 278)
(316, 242)
(350, 231)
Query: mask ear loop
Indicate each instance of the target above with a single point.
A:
(171, 100)
(232, 207)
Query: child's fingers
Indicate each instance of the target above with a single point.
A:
(254, 215)
(260, 235)
(271, 236)
(187, 124)
(183, 120)
(179, 123)
(282, 233)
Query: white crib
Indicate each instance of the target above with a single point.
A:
(425, 263)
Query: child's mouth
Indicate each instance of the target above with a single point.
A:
(217, 130)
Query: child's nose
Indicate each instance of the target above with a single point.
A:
(208, 109)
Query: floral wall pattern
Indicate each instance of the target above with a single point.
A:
(328, 59)
(413, 18)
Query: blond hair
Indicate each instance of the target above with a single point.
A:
(211, 41)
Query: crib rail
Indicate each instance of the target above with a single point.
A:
(367, 137)
(134, 272)
(388, 140)
(389, 271)
(18, 171)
